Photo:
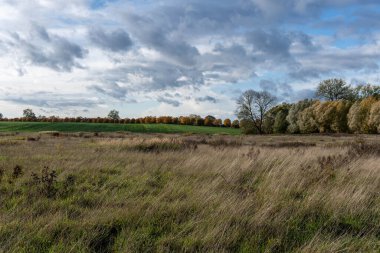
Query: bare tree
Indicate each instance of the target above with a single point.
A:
(253, 105)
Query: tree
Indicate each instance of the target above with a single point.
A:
(227, 123)
(218, 122)
(235, 124)
(253, 105)
(324, 115)
(340, 122)
(374, 118)
(194, 116)
(294, 114)
(209, 120)
(359, 114)
(1, 116)
(364, 91)
(29, 114)
(306, 121)
(275, 119)
(113, 114)
(280, 124)
(248, 127)
(335, 89)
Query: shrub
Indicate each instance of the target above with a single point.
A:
(46, 182)
(248, 127)
(17, 172)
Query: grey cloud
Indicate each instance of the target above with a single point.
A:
(154, 36)
(53, 101)
(39, 32)
(174, 29)
(111, 89)
(116, 41)
(332, 62)
(169, 101)
(227, 64)
(284, 91)
(154, 76)
(44, 49)
(303, 94)
(206, 99)
(271, 43)
(209, 42)
(268, 85)
(305, 74)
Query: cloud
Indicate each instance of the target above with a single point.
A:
(268, 85)
(206, 99)
(116, 50)
(169, 101)
(149, 33)
(48, 50)
(53, 101)
(111, 89)
(271, 43)
(116, 41)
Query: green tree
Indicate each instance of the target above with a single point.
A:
(368, 90)
(113, 114)
(335, 89)
(275, 120)
(235, 124)
(29, 114)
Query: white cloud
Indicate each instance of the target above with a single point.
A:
(130, 52)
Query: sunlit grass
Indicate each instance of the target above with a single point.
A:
(145, 193)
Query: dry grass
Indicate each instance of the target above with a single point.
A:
(152, 193)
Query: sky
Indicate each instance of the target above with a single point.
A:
(169, 57)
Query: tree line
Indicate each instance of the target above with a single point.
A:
(113, 117)
(340, 108)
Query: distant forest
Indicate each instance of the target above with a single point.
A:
(340, 108)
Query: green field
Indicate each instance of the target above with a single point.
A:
(102, 127)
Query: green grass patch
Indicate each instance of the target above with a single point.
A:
(109, 127)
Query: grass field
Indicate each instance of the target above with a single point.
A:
(101, 127)
(108, 192)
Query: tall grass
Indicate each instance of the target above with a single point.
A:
(188, 194)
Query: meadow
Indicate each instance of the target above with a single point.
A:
(111, 127)
(130, 192)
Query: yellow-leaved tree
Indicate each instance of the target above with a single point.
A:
(359, 114)
(374, 118)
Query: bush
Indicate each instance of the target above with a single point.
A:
(248, 127)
